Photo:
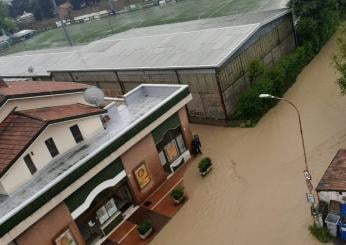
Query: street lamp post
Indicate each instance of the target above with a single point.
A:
(306, 171)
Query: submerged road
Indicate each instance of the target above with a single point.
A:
(256, 192)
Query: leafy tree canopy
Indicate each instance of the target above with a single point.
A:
(316, 20)
(5, 22)
(340, 60)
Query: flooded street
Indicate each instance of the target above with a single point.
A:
(256, 191)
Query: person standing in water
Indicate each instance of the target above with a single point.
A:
(196, 145)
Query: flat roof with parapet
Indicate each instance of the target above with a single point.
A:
(194, 44)
(142, 106)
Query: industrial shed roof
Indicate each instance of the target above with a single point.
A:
(195, 44)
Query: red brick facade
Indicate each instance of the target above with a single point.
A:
(49, 227)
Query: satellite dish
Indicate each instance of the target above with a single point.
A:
(31, 69)
(94, 96)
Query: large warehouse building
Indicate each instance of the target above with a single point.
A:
(212, 56)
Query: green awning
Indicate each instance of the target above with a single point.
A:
(171, 123)
(77, 198)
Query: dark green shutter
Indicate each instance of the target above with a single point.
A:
(78, 197)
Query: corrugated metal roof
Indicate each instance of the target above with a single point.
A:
(194, 44)
(203, 48)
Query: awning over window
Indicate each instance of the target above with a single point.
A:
(81, 199)
(171, 123)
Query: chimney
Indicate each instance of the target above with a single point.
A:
(2, 83)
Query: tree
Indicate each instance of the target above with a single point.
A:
(17, 7)
(47, 8)
(340, 60)
(316, 20)
(76, 4)
(6, 23)
(42, 9)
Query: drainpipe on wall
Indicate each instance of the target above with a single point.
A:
(178, 77)
(122, 87)
(221, 95)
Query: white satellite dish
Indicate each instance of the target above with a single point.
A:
(94, 96)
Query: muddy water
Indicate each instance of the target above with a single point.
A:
(256, 192)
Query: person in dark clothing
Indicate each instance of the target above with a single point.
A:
(196, 145)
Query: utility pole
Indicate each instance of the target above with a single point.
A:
(62, 24)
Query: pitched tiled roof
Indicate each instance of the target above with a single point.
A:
(334, 179)
(30, 88)
(55, 113)
(20, 128)
(16, 131)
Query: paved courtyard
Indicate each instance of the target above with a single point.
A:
(256, 192)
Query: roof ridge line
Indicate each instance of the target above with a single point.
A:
(29, 116)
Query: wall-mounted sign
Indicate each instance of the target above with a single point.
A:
(142, 176)
(307, 175)
(66, 238)
(310, 198)
(309, 185)
(171, 151)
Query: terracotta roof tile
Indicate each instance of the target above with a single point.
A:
(54, 113)
(334, 179)
(17, 88)
(21, 127)
(12, 137)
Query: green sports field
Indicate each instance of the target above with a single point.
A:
(181, 11)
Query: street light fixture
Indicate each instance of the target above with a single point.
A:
(266, 96)
(306, 171)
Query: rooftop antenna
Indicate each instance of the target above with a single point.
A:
(94, 96)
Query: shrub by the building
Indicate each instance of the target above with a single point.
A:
(272, 81)
(205, 166)
(315, 25)
(320, 233)
(144, 227)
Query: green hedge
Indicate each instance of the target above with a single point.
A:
(316, 23)
(273, 81)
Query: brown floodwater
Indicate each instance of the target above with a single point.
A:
(256, 191)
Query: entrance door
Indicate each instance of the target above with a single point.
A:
(122, 197)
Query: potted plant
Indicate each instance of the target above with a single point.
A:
(205, 165)
(145, 229)
(178, 195)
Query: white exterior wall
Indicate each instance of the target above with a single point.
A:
(327, 196)
(39, 102)
(19, 174)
